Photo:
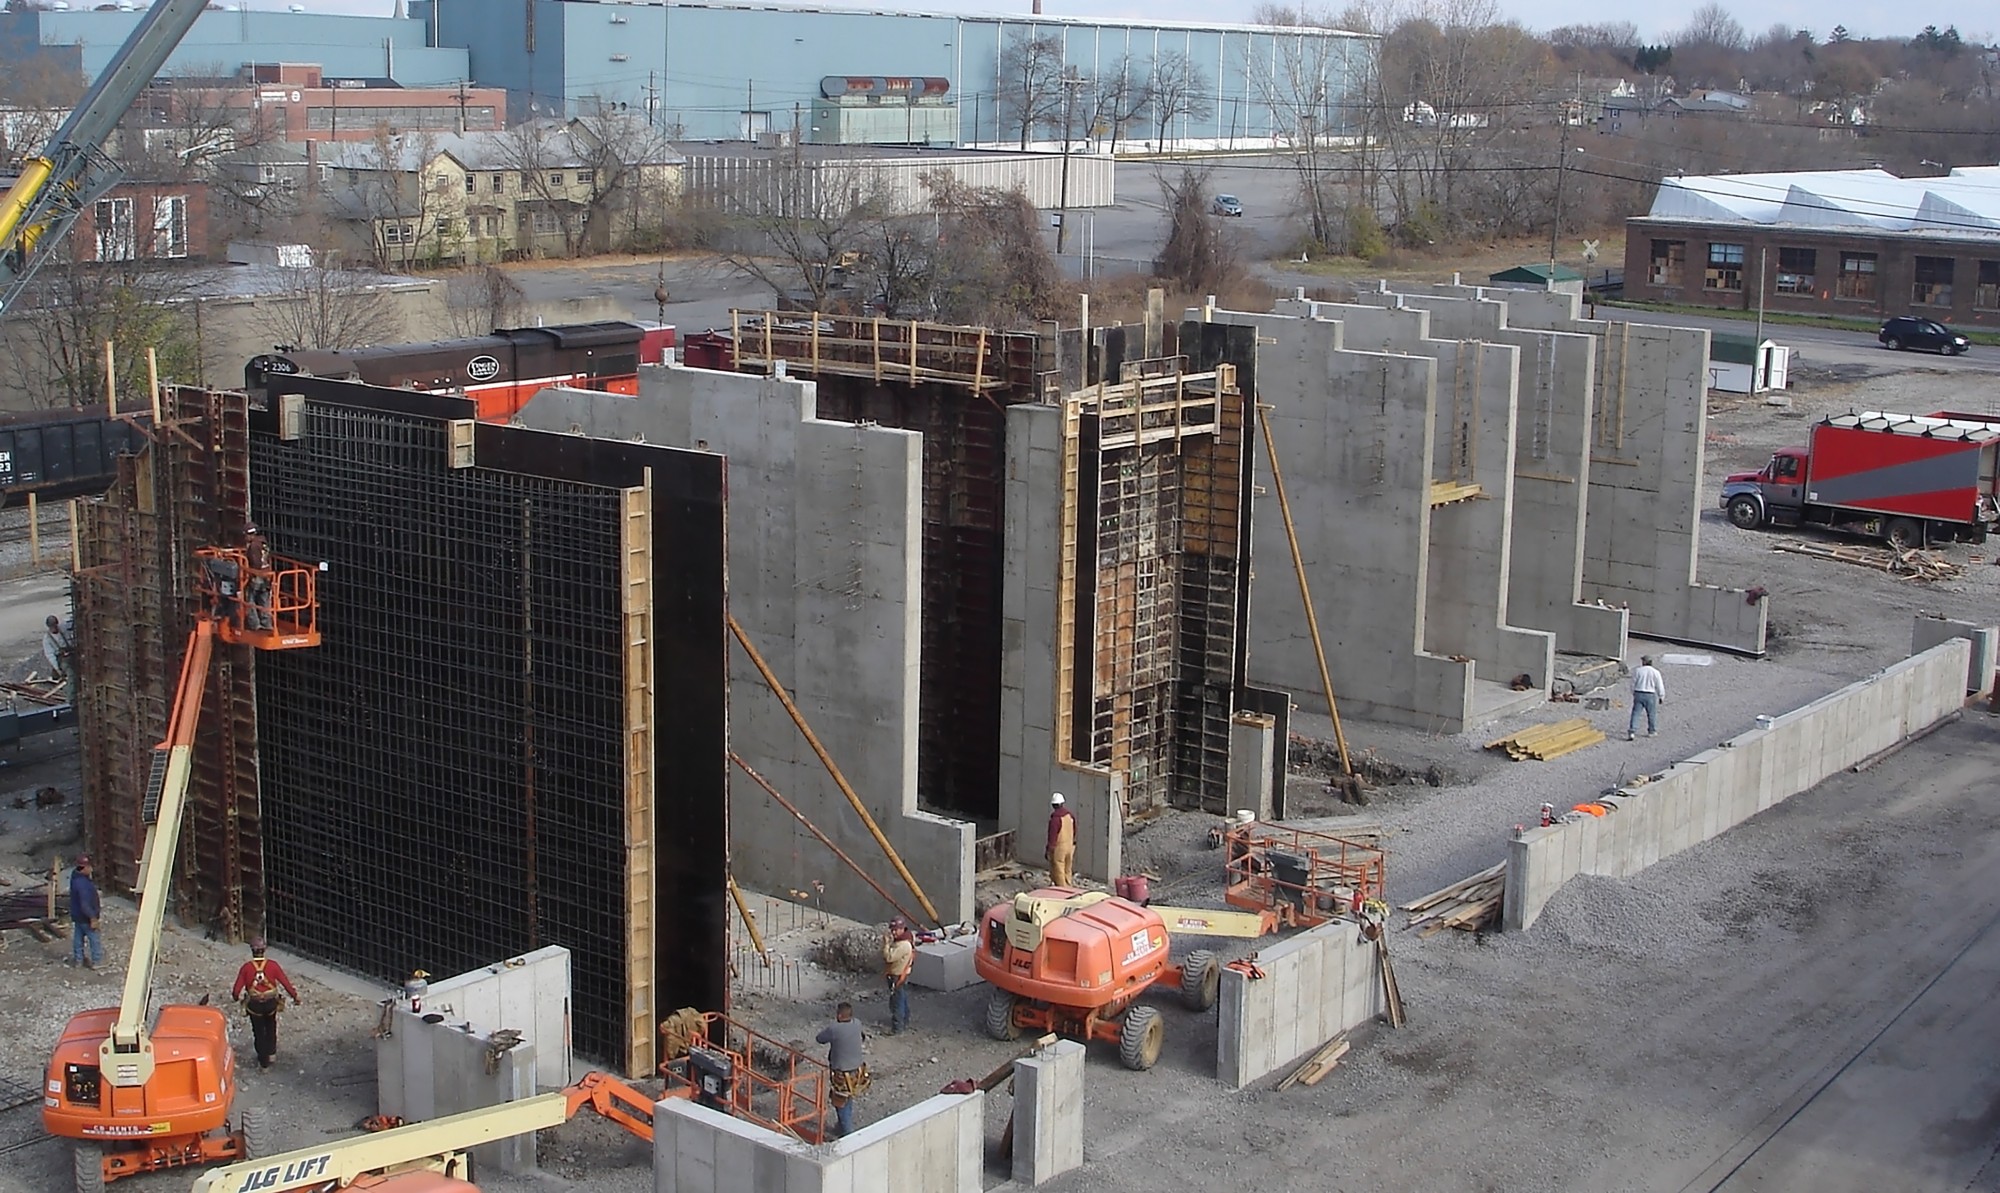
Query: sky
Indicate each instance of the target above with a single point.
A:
(1861, 17)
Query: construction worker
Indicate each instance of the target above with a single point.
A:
(257, 986)
(85, 906)
(849, 1077)
(899, 952)
(1062, 841)
(56, 648)
(1649, 692)
(257, 586)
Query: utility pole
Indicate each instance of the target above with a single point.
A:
(1757, 347)
(652, 96)
(1562, 163)
(1072, 82)
(462, 99)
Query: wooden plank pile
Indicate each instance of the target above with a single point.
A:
(1469, 904)
(1912, 563)
(1314, 1068)
(1543, 742)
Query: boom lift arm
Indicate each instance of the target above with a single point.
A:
(73, 171)
(126, 1056)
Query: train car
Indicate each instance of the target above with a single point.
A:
(499, 371)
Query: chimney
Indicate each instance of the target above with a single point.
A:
(1038, 8)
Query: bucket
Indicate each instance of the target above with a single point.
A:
(1133, 889)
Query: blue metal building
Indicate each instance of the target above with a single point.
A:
(727, 70)
(224, 40)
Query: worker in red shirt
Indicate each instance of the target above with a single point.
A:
(257, 986)
(1062, 842)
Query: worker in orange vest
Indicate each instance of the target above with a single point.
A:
(1062, 841)
(257, 986)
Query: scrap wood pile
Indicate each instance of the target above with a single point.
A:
(1912, 563)
(1313, 1069)
(1470, 904)
(1544, 742)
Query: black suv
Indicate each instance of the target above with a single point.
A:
(1908, 331)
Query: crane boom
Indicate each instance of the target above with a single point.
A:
(126, 1056)
(72, 170)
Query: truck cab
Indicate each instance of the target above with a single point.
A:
(1777, 490)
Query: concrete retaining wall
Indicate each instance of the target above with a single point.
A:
(1315, 986)
(425, 1071)
(1715, 790)
(530, 994)
(936, 1146)
(1929, 629)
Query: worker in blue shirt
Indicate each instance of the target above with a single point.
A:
(84, 908)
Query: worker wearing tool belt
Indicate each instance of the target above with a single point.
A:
(899, 952)
(1062, 842)
(257, 987)
(849, 1079)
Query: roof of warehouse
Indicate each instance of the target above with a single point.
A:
(1919, 425)
(1012, 18)
(1965, 203)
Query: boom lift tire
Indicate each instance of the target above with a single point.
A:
(1000, 1016)
(1745, 513)
(256, 1128)
(1139, 1041)
(88, 1159)
(1201, 980)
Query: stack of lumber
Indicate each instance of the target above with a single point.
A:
(1468, 904)
(1314, 1068)
(1912, 563)
(1544, 742)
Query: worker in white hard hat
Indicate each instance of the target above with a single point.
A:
(1062, 841)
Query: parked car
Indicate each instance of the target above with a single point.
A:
(1226, 205)
(1909, 331)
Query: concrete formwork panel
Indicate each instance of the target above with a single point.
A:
(934, 1145)
(529, 994)
(1927, 630)
(1048, 1113)
(824, 566)
(1315, 986)
(427, 1071)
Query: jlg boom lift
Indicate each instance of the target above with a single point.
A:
(140, 1096)
(72, 171)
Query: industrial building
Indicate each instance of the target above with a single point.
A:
(1859, 243)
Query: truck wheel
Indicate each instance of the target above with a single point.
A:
(1746, 513)
(1140, 1039)
(1201, 980)
(256, 1133)
(1000, 1016)
(88, 1161)
(1904, 534)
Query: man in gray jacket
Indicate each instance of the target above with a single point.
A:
(1649, 692)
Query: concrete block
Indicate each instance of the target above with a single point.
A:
(945, 965)
(529, 994)
(1048, 1113)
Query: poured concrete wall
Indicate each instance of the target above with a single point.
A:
(823, 559)
(529, 994)
(936, 1146)
(1929, 629)
(1033, 764)
(425, 1071)
(1715, 790)
(1315, 986)
(1048, 1113)
(1551, 469)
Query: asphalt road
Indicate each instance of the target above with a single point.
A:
(1818, 345)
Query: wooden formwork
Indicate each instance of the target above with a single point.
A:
(886, 350)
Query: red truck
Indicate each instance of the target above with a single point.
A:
(1906, 478)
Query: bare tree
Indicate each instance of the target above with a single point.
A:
(74, 307)
(1119, 97)
(480, 300)
(397, 198)
(800, 230)
(1029, 89)
(1176, 90)
(992, 264)
(1713, 25)
(323, 306)
(1197, 256)
(1297, 90)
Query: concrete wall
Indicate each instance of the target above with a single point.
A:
(529, 994)
(1642, 521)
(823, 563)
(425, 1071)
(1551, 469)
(936, 1146)
(1315, 986)
(1703, 796)
(1048, 1113)
(1033, 764)
(1928, 630)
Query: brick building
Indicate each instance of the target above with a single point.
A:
(296, 102)
(145, 221)
(1858, 243)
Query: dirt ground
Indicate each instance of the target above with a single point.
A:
(1803, 1004)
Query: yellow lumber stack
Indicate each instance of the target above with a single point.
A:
(1544, 742)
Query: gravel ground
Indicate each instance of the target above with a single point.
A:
(1641, 1032)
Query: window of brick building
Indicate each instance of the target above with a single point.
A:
(1795, 270)
(170, 226)
(1669, 262)
(1725, 267)
(1857, 276)
(116, 237)
(1932, 287)
(1986, 296)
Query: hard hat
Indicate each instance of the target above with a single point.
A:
(898, 923)
(256, 944)
(83, 859)
(250, 528)
(1056, 799)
